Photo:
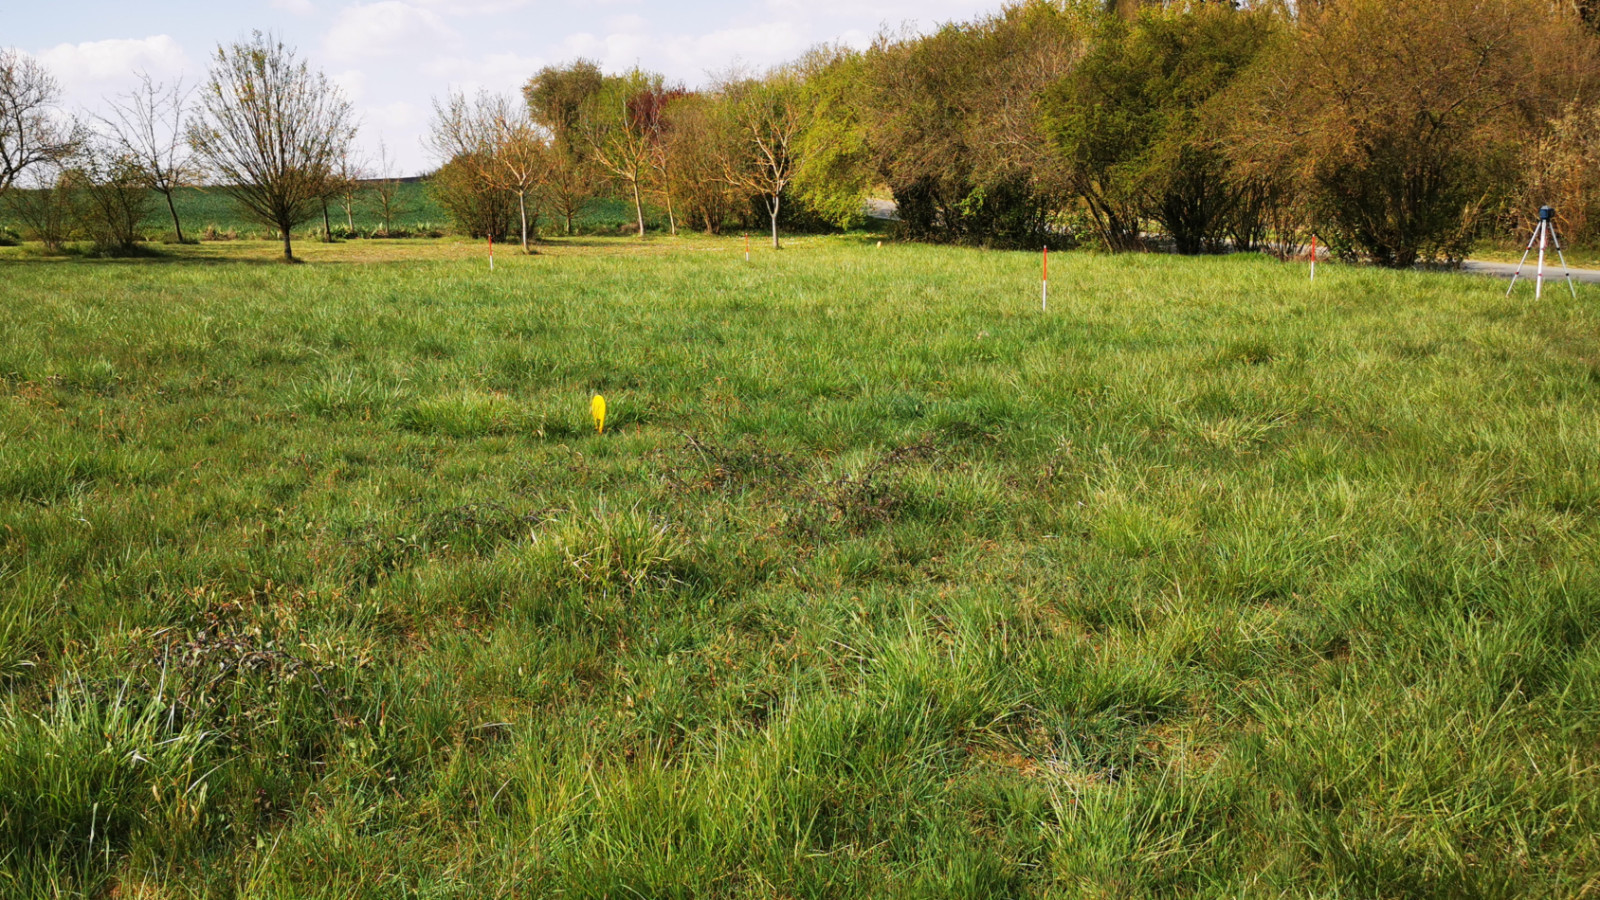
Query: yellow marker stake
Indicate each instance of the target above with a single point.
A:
(598, 409)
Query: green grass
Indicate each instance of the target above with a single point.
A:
(1211, 582)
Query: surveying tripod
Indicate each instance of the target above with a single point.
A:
(1544, 232)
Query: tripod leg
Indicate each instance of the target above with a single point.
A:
(1544, 239)
(1557, 239)
(1518, 274)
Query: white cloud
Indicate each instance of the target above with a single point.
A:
(386, 28)
(474, 7)
(489, 72)
(96, 65)
(296, 7)
(353, 82)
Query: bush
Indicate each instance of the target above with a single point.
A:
(52, 212)
(476, 208)
(954, 130)
(1129, 122)
(118, 200)
(1403, 118)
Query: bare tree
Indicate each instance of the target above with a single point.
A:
(503, 145)
(147, 127)
(350, 173)
(652, 110)
(32, 130)
(271, 131)
(336, 185)
(768, 117)
(572, 185)
(386, 190)
(55, 204)
(695, 139)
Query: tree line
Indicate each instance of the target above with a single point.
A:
(265, 128)
(1394, 130)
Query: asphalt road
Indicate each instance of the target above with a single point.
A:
(1552, 271)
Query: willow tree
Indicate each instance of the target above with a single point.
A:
(272, 131)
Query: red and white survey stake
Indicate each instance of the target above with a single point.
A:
(747, 248)
(1044, 296)
(1313, 257)
(491, 253)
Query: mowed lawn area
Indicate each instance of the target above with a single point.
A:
(316, 581)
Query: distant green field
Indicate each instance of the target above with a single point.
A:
(199, 209)
(1210, 582)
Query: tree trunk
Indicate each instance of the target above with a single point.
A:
(327, 226)
(522, 209)
(177, 226)
(349, 216)
(638, 206)
(773, 207)
(288, 251)
(672, 217)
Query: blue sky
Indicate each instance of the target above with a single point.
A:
(393, 56)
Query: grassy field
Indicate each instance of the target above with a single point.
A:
(315, 581)
(211, 214)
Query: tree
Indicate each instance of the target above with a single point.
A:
(348, 175)
(475, 205)
(507, 148)
(650, 107)
(148, 128)
(386, 196)
(32, 131)
(1561, 168)
(570, 186)
(695, 137)
(1402, 120)
(616, 125)
(953, 126)
(336, 185)
(834, 171)
(271, 130)
(1130, 124)
(558, 98)
(767, 117)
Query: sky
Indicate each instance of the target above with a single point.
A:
(392, 57)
